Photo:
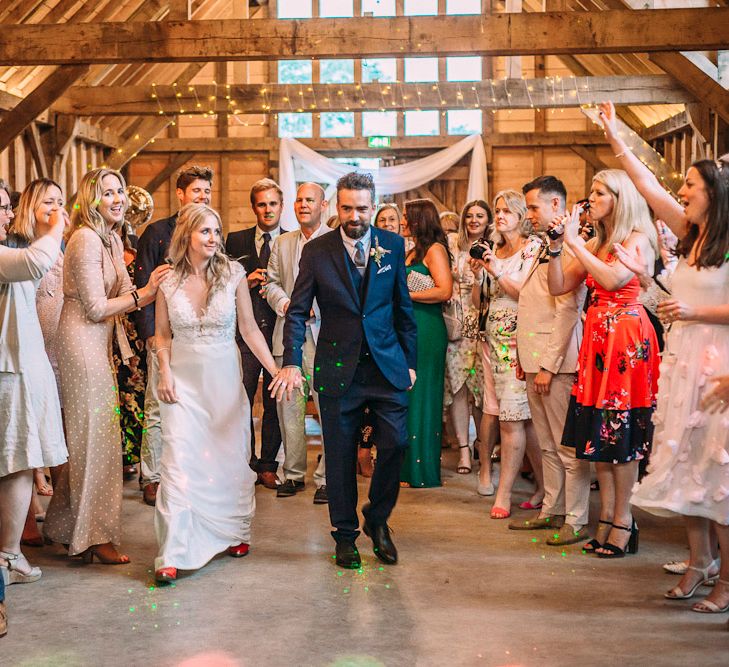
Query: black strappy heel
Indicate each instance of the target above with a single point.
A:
(594, 544)
(630, 548)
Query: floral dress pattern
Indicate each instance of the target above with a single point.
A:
(501, 335)
(609, 417)
(463, 357)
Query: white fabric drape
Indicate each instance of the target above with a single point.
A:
(388, 180)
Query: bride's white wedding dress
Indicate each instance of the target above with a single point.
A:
(206, 500)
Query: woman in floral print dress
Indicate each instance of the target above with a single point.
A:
(609, 417)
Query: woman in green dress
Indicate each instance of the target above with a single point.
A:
(430, 284)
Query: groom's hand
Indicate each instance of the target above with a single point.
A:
(413, 377)
(286, 381)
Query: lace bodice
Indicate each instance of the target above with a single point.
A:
(217, 322)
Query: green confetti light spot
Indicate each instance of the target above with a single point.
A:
(132, 609)
(154, 606)
(339, 574)
(534, 539)
(564, 553)
(339, 364)
(346, 590)
(387, 585)
(367, 588)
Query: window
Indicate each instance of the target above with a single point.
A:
(336, 124)
(379, 7)
(422, 123)
(379, 123)
(336, 8)
(421, 7)
(336, 71)
(294, 71)
(467, 68)
(295, 125)
(379, 69)
(465, 121)
(463, 6)
(421, 69)
(362, 163)
(294, 9)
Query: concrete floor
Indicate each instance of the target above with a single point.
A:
(467, 592)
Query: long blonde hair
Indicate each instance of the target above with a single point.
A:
(217, 272)
(630, 212)
(86, 208)
(516, 203)
(25, 221)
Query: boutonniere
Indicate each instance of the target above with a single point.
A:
(378, 252)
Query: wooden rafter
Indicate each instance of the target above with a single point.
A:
(250, 39)
(177, 160)
(38, 101)
(279, 98)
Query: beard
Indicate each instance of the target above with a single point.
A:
(355, 230)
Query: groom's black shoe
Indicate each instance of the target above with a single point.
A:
(381, 541)
(348, 556)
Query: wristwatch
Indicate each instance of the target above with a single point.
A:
(554, 253)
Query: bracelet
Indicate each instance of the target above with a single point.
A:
(135, 296)
(554, 253)
(158, 350)
(621, 154)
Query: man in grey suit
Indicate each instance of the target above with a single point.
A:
(283, 269)
(548, 341)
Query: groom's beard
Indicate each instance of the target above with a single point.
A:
(355, 230)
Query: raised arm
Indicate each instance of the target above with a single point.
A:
(663, 204)
(565, 276)
(32, 263)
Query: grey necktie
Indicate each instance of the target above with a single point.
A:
(359, 258)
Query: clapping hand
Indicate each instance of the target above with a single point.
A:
(717, 400)
(634, 261)
(571, 224)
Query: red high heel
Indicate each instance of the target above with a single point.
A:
(165, 575)
(239, 550)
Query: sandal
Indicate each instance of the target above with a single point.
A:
(12, 575)
(464, 469)
(614, 551)
(596, 543)
(499, 513)
(709, 607)
(677, 593)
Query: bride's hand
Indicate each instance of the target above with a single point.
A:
(166, 388)
(285, 382)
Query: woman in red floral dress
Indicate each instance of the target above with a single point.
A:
(609, 417)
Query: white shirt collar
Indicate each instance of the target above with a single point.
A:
(274, 233)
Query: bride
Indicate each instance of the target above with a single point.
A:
(206, 496)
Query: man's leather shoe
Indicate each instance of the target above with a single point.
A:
(382, 542)
(567, 534)
(149, 493)
(321, 497)
(554, 522)
(348, 556)
(268, 479)
(289, 488)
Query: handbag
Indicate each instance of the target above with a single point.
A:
(453, 318)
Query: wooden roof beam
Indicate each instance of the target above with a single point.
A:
(250, 39)
(281, 98)
(25, 112)
(695, 80)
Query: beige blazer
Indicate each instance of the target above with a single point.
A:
(549, 328)
(282, 274)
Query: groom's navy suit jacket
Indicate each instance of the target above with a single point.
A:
(378, 314)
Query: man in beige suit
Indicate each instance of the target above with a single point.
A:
(548, 340)
(283, 269)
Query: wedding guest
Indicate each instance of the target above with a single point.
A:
(388, 217)
(687, 473)
(499, 277)
(85, 511)
(609, 415)
(193, 186)
(430, 283)
(30, 418)
(365, 357)
(465, 381)
(548, 338)
(206, 497)
(283, 269)
(252, 248)
(449, 221)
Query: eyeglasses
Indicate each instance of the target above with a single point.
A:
(7, 208)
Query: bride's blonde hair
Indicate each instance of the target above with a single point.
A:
(190, 218)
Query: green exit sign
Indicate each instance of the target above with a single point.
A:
(378, 142)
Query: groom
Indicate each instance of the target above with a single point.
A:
(365, 357)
